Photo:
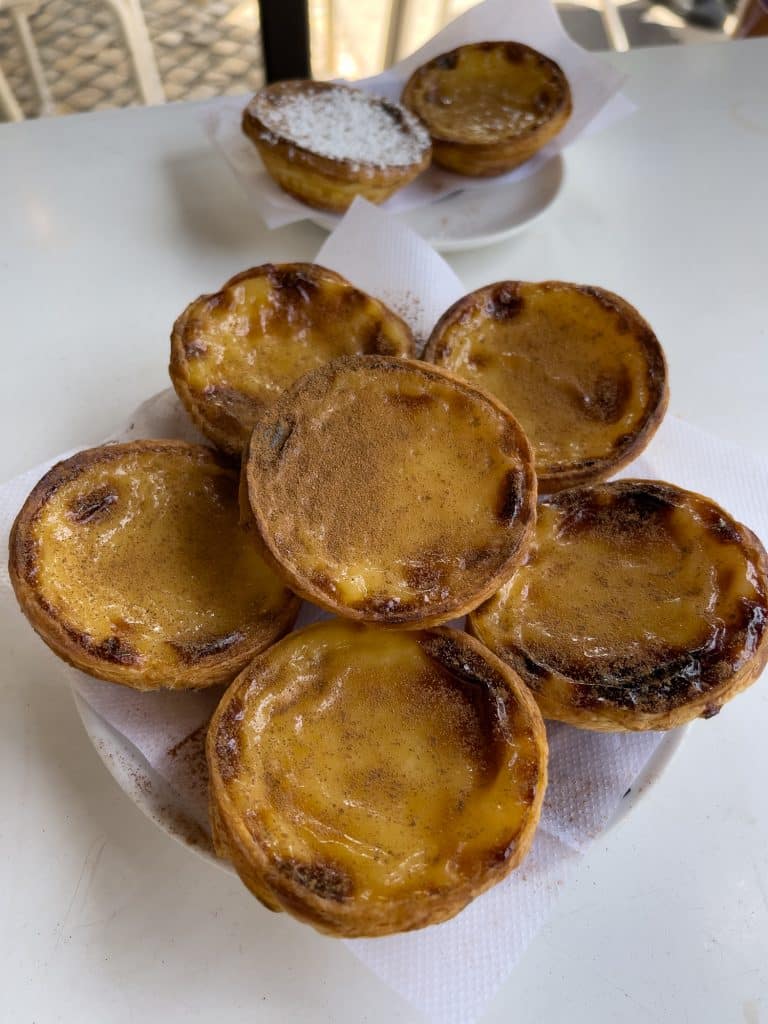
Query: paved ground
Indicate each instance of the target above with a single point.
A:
(202, 49)
(209, 47)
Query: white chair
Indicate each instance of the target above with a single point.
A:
(609, 11)
(134, 30)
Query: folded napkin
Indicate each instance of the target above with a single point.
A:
(452, 970)
(594, 84)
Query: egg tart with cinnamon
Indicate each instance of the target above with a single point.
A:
(369, 781)
(640, 606)
(489, 107)
(235, 351)
(326, 143)
(129, 562)
(578, 366)
(391, 492)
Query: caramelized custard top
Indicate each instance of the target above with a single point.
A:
(240, 348)
(372, 764)
(485, 93)
(394, 490)
(137, 552)
(632, 585)
(579, 368)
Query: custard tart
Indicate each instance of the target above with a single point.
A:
(489, 107)
(391, 492)
(640, 606)
(325, 143)
(371, 782)
(233, 352)
(578, 366)
(129, 562)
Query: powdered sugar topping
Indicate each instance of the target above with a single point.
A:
(342, 124)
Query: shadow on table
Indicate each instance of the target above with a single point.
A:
(585, 26)
(213, 210)
(138, 904)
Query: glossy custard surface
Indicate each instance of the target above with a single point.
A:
(487, 93)
(359, 761)
(141, 557)
(391, 487)
(632, 584)
(243, 346)
(581, 374)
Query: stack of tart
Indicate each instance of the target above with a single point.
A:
(479, 110)
(375, 772)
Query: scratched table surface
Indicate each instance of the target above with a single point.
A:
(109, 224)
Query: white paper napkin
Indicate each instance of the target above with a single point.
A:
(594, 86)
(450, 971)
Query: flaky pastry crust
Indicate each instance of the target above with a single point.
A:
(489, 107)
(640, 606)
(235, 351)
(371, 782)
(129, 563)
(578, 365)
(327, 183)
(389, 491)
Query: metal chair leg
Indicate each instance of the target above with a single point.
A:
(136, 36)
(614, 26)
(8, 102)
(20, 18)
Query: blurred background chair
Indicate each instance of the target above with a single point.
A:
(133, 28)
(204, 48)
(19, 12)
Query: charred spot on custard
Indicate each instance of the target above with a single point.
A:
(280, 436)
(28, 564)
(92, 507)
(511, 496)
(504, 302)
(751, 624)
(375, 342)
(720, 527)
(194, 346)
(676, 678)
(114, 649)
(297, 285)
(480, 686)
(227, 743)
(460, 661)
(232, 410)
(446, 62)
(608, 303)
(193, 651)
(543, 100)
(322, 582)
(502, 853)
(610, 394)
(513, 52)
(622, 510)
(223, 300)
(478, 558)
(395, 610)
(325, 880)
(427, 573)
(527, 667)
(420, 400)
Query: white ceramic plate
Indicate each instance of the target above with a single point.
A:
(157, 800)
(654, 768)
(478, 217)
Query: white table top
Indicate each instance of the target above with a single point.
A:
(109, 224)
